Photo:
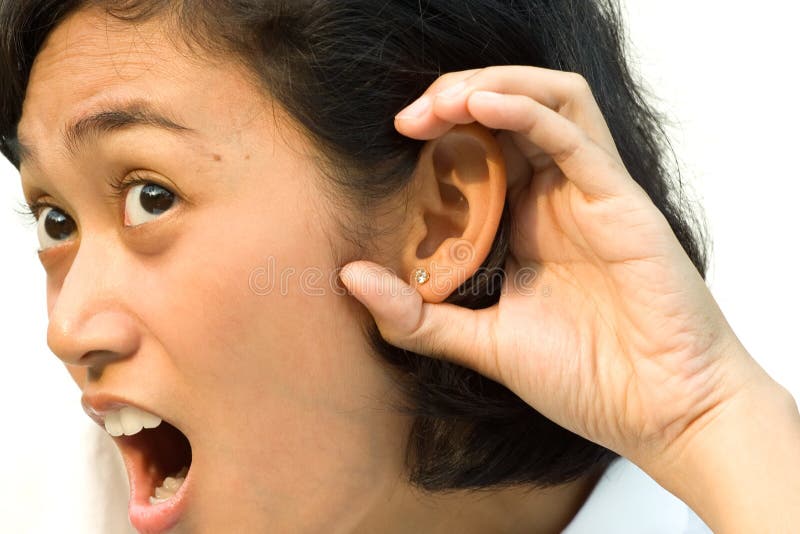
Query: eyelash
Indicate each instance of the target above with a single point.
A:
(33, 210)
(119, 186)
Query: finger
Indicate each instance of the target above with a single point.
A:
(552, 88)
(585, 163)
(420, 110)
(565, 92)
(449, 79)
(519, 170)
(406, 321)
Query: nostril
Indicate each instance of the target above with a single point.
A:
(97, 358)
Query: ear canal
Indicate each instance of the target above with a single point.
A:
(440, 227)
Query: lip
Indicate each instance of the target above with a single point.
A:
(98, 405)
(146, 518)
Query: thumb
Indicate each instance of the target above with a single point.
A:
(404, 319)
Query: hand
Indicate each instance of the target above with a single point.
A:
(618, 338)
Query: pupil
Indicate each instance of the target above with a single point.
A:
(156, 200)
(58, 226)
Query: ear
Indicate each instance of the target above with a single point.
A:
(454, 209)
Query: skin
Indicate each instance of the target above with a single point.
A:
(285, 407)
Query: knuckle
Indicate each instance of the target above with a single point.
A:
(449, 78)
(531, 121)
(493, 360)
(578, 84)
(476, 76)
(570, 149)
(421, 330)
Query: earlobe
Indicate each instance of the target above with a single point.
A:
(459, 199)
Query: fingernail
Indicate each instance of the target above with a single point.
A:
(416, 109)
(453, 91)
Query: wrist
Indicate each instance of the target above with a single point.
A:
(742, 455)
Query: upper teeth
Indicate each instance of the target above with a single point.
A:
(130, 421)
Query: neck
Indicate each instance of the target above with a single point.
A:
(511, 510)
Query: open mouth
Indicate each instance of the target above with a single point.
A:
(158, 461)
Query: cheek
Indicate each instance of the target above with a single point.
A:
(287, 363)
(268, 334)
(251, 317)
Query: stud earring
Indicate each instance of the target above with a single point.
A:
(420, 276)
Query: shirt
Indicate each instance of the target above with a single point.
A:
(628, 501)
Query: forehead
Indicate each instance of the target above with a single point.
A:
(91, 59)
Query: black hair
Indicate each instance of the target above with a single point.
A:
(342, 69)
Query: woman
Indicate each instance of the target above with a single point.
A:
(200, 171)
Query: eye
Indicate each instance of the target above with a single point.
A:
(145, 202)
(54, 227)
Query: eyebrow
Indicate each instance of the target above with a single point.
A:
(82, 130)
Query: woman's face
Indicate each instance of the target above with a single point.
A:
(214, 311)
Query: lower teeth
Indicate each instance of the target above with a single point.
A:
(169, 487)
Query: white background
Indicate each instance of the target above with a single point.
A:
(724, 70)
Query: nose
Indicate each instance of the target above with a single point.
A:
(89, 323)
